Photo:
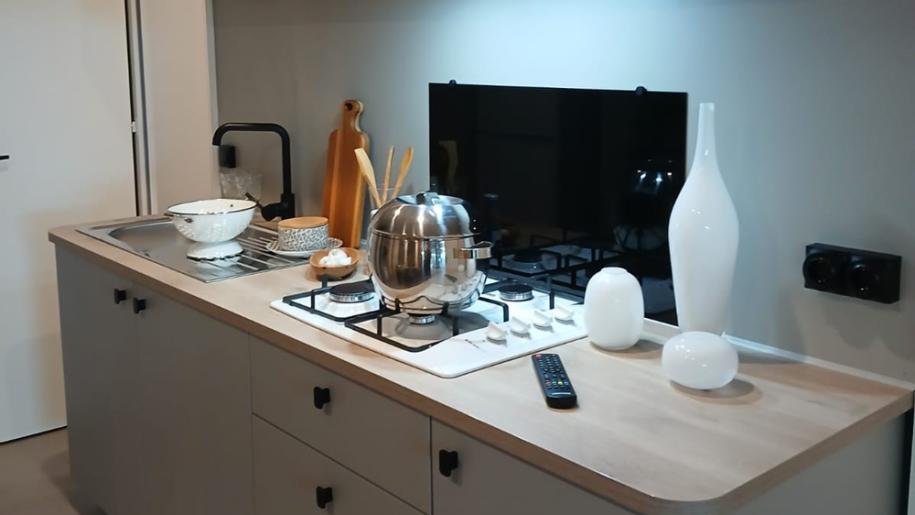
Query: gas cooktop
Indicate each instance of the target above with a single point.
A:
(512, 318)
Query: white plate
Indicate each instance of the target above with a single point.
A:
(274, 246)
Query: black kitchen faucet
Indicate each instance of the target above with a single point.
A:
(285, 208)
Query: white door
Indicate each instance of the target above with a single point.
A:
(65, 125)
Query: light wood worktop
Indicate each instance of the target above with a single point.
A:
(635, 439)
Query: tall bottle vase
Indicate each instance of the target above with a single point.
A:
(703, 234)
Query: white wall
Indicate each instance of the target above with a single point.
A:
(180, 89)
(816, 117)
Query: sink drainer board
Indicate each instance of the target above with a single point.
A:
(157, 240)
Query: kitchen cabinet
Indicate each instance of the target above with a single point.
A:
(469, 476)
(158, 399)
(291, 478)
(380, 439)
(172, 412)
(100, 363)
(195, 399)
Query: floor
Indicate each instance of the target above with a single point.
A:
(35, 478)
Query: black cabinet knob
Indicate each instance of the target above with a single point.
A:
(139, 305)
(322, 397)
(119, 295)
(324, 496)
(447, 462)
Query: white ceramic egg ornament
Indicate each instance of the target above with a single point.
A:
(703, 361)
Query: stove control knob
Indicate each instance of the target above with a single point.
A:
(519, 326)
(543, 319)
(496, 333)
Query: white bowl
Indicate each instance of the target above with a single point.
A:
(212, 221)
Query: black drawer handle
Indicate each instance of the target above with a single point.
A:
(447, 462)
(139, 305)
(322, 397)
(119, 295)
(4, 157)
(324, 496)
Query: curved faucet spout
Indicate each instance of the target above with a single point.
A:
(285, 208)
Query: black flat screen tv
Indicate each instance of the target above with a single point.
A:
(565, 181)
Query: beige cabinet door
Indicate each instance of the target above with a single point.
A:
(487, 481)
(100, 364)
(291, 478)
(196, 412)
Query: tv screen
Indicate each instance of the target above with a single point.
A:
(565, 182)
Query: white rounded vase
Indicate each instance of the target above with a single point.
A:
(703, 361)
(703, 234)
(614, 309)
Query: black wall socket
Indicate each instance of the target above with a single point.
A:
(851, 272)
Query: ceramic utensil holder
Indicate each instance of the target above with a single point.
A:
(303, 233)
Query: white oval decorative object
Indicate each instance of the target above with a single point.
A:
(699, 360)
(614, 309)
(703, 234)
(542, 319)
(519, 326)
(496, 333)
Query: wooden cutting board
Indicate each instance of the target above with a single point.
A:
(344, 188)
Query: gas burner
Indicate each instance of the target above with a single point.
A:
(516, 293)
(528, 256)
(422, 319)
(351, 293)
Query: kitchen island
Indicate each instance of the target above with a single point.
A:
(209, 401)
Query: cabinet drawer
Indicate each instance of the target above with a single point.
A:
(379, 439)
(487, 481)
(287, 474)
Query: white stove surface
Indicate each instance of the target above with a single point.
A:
(458, 355)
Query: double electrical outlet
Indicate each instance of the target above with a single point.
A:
(851, 272)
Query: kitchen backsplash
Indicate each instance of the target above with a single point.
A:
(814, 111)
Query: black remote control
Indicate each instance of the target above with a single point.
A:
(557, 389)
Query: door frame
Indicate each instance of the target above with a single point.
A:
(138, 107)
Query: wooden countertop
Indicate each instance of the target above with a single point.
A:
(636, 439)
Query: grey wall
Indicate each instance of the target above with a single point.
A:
(815, 107)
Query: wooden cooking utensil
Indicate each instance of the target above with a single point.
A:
(344, 195)
(405, 163)
(368, 173)
(387, 174)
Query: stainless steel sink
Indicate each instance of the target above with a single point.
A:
(157, 240)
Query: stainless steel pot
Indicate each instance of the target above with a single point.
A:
(422, 254)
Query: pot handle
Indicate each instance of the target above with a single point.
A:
(482, 250)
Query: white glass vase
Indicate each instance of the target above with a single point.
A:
(614, 309)
(703, 235)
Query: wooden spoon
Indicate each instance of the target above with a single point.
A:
(368, 173)
(387, 175)
(405, 163)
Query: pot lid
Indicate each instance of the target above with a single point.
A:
(423, 216)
